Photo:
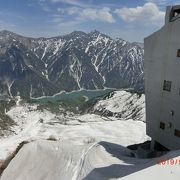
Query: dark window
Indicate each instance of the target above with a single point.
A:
(177, 133)
(178, 53)
(162, 125)
(167, 85)
(174, 14)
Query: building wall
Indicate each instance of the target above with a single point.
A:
(162, 63)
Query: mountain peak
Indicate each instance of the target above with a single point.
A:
(76, 33)
(66, 63)
(9, 34)
(95, 32)
(6, 32)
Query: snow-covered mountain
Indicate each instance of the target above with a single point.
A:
(123, 105)
(45, 66)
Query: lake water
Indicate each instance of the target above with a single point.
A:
(81, 95)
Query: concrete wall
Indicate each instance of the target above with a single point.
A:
(162, 63)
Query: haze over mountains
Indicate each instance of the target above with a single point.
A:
(33, 67)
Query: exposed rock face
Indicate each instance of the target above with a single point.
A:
(45, 66)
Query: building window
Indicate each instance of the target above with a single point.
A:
(175, 14)
(178, 53)
(162, 125)
(167, 85)
(177, 133)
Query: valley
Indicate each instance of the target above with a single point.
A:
(82, 130)
(78, 92)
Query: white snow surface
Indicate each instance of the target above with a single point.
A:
(127, 105)
(89, 147)
(78, 127)
(78, 136)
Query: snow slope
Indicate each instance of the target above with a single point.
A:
(77, 160)
(77, 152)
(89, 147)
(33, 124)
(123, 105)
(78, 137)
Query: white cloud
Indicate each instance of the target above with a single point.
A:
(83, 11)
(84, 14)
(149, 14)
(63, 20)
(103, 14)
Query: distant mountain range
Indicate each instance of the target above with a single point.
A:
(32, 67)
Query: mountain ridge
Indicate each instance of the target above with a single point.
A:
(32, 67)
(57, 36)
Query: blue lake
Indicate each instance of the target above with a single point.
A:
(74, 96)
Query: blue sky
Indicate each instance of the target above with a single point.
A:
(131, 20)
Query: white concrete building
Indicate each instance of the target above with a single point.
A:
(162, 81)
